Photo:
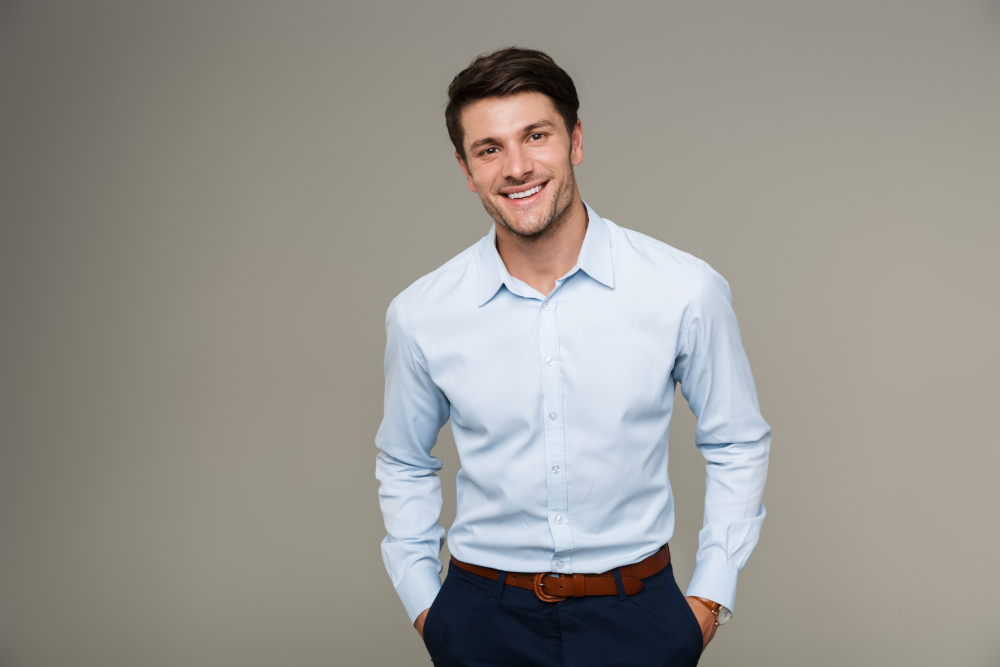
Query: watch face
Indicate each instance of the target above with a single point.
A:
(724, 615)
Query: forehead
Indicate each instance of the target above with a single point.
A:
(500, 117)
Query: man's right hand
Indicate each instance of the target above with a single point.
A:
(419, 623)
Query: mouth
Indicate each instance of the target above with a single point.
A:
(525, 196)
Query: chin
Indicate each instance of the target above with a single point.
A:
(527, 228)
(534, 221)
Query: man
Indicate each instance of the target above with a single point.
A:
(554, 346)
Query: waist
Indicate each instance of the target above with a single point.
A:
(555, 587)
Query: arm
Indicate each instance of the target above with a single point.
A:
(409, 490)
(732, 436)
(419, 623)
(706, 619)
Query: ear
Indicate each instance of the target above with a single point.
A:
(576, 144)
(465, 170)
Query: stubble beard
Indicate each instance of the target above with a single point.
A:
(551, 221)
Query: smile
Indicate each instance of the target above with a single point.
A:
(526, 193)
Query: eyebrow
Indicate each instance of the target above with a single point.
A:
(485, 141)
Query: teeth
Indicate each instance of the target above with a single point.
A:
(526, 193)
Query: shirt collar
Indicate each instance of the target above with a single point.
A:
(491, 268)
(595, 254)
(594, 260)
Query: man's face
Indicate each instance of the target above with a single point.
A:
(520, 159)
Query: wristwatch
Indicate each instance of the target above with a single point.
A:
(722, 615)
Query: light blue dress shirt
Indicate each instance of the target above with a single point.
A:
(560, 406)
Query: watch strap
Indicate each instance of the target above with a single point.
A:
(712, 607)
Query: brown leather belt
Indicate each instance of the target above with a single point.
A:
(552, 587)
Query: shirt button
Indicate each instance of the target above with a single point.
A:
(545, 307)
(555, 470)
(549, 361)
(559, 518)
(552, 416)
(560, 565)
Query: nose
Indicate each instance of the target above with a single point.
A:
(517, 163)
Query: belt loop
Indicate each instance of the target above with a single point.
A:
(618, 583)
(501, 580)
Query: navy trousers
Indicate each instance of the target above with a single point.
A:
(475, 622)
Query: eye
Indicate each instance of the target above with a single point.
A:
(537, 135)
(488, 151)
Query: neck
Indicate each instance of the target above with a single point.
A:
(541, 260)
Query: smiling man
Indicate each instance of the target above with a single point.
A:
(550, 151)
(554, 345)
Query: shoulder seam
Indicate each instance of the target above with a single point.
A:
(415, 351)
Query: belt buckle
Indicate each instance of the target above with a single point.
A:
(538, 585)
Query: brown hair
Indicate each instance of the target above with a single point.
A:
(507, 72)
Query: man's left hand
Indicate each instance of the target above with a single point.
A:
(706, 619)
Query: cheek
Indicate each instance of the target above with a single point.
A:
(482, 182)
(556, 161)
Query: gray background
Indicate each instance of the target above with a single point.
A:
(205, 208)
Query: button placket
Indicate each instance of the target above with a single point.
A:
(554, 434)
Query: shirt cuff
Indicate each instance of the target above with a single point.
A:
(418, 590)
(714, 580)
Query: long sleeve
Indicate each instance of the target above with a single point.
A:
(410, 490)
(734, 439)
